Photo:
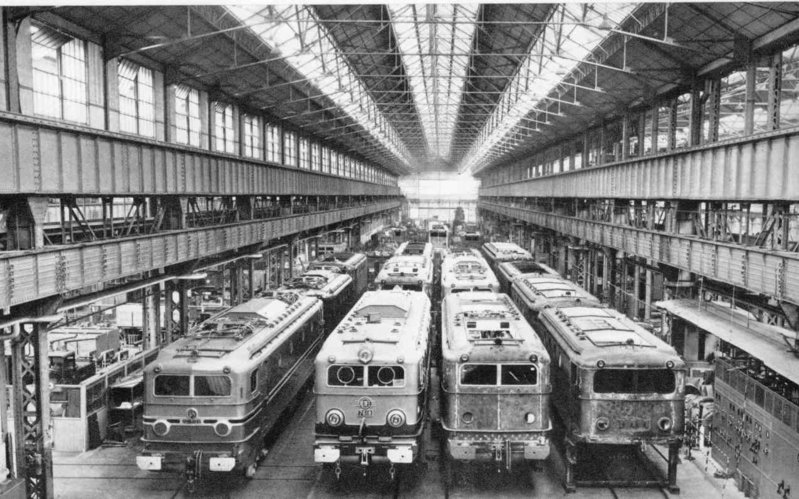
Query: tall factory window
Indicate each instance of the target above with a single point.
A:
(251, 136)
(290, 145)
(136, 101)
(315, 157)
(59, 75)
(273, 143)
(325, 165)
(187, 115)
(733, 104)
(225, 140)
(334, 162)
(304, 161)
(683, 131)
(789, 99)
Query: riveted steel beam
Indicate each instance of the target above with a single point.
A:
(754, 168)
(37, 274)
(53, 158)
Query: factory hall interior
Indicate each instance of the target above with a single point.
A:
(453, 250)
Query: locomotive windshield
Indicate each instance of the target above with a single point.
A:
(507, 374)
(634, 381)
(211, 386)
(385, 311)
(170, 385)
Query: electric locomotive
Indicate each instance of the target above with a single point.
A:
(497, 253)
(495, 382)
(424, 249)
(334, 289)
(409, 272)
(508, 271)
(532, 293)
(211, 396)
(371, 382)
(352, 264)
(613, 383)
(466, 271)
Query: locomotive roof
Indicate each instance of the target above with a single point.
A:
(489, 322)
(406, 266)
(531, 267)
(339, 259)
(389, 323)
(536, 288)
(319, 282)
(414, 248)
(605, 334)
(466, 266)
(508, 251)
(234, 336)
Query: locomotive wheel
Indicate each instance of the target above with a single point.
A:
(250, 470)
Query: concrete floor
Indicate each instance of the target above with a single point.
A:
(289, 471)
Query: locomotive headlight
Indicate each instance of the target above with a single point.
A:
(467, 417)
(223, 428)
(395, 418)
(529, 418)
(345, 375)
(670, 364)
(465, 357)
(161, 428)
(600, 364)
(602, 423)
(664, 423)
(533, 358)
(334, 417)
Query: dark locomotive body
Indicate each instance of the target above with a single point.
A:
(498, 253)
(613, 382)
(495, 382)
(508, 271)
(333, 288)
(352, 264)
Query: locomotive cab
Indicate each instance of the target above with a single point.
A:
(495, 382)
(370, 382)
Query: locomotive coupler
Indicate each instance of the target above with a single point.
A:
(364, 453)
(338, 470)
(392, 472)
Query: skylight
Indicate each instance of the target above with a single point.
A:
(574, 31)
(435, 41)
(294, 33)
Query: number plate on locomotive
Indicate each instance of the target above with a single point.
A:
(365, 407)
(633, 424)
